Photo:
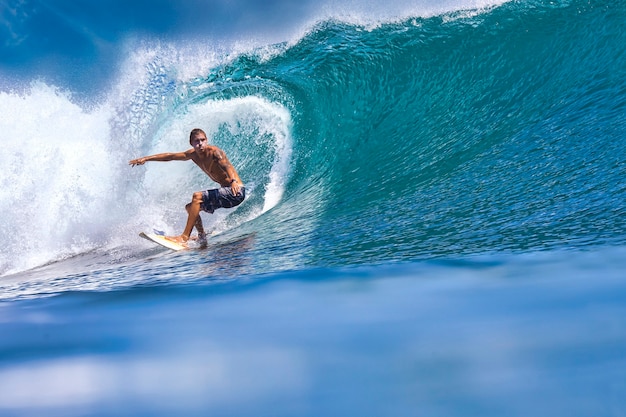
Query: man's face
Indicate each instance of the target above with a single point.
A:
(199, 142)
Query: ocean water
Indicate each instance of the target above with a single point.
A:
(435, 222)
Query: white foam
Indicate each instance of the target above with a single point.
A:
(56, 169)
(66, 187)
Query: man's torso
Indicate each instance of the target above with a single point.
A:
(213, 161)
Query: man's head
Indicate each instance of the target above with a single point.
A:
(198, 140)
(196, 132)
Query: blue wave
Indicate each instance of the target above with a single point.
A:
(456, 134)
(465, 132)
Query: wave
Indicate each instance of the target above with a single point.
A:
(416, 136)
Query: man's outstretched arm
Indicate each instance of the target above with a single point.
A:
(168, 156)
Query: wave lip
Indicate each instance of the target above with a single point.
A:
(83, 47)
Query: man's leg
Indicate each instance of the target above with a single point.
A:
(193, 219)
(199, 226)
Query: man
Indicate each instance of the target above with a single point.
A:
(213, 161)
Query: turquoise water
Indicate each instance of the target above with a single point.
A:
(435, 220)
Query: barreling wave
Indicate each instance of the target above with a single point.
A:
(462, 133)
(467, 132)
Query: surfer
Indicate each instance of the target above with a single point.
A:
(213, 161)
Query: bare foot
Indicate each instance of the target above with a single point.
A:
(200, 239)
(182, 240)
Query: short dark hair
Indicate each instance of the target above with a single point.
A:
(195, 132)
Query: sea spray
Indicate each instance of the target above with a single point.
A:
(67, 187)
(57, 177)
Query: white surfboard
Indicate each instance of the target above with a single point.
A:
(161, 240)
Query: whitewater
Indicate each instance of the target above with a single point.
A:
(434, 222)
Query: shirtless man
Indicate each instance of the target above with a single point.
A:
(213, 161)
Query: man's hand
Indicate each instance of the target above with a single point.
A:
(235, 187)
(138, 161)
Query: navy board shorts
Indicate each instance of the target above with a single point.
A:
(221, 198)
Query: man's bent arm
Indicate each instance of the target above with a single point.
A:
(233, 177)
(168, 156)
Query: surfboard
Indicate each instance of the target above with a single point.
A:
(161, 240)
